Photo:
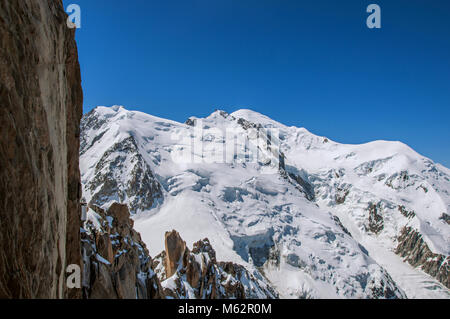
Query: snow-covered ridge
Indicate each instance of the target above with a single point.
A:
(320, 225)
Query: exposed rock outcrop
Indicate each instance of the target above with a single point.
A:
(121, 174)
(416, 252)
(117, 264)
(408, 214)
(339, 223)
(175, 249)
(376, 221)
(197, 274)
(41, 107)
(445, 217)
(341, 194)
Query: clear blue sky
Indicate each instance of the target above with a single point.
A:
(305, 63)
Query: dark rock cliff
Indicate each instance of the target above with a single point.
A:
(117, 264)
(40, 111)
(196, 273)
(416, 252)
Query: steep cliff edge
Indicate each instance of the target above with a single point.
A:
(117, 264)
(196, 273)
(41, 108)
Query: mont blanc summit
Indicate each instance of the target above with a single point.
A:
(299, 215)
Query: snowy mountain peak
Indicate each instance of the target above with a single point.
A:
(257, 118)
(317, 218)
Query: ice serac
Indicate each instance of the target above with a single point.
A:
(41, 107)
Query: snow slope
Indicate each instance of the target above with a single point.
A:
(319, 219)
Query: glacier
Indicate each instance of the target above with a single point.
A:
(316, 218)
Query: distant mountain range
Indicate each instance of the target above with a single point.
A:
(305, 217)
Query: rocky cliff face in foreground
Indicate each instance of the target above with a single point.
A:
(41, 107)
(196, 273)
(116, 262)
(117, 265)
